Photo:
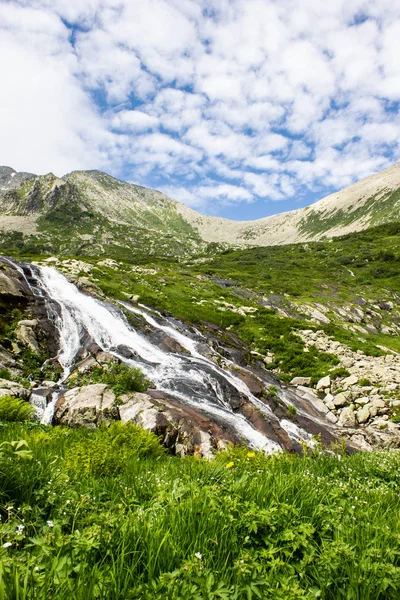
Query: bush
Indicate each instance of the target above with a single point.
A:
(107, 452)
(15, 409)
(121, 378)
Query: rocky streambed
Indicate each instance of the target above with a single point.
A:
(203, 393)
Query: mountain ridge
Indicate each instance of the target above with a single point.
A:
(102, 207)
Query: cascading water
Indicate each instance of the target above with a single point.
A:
(190, 377)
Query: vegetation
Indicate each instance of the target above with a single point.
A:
(108, 515)
(15, 409)
(121, 378)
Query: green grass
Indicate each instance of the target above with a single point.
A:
(108, 515)
(121, 378)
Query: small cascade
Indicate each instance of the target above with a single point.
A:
(193, 379)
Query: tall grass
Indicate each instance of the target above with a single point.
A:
(153, 526)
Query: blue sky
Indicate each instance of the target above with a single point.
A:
(239, 108)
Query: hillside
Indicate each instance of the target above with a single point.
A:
(91, 213)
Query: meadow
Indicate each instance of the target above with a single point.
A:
(108, 514)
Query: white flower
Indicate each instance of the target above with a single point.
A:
(7, 545)
(50, 523)
(20, 529)
(198, 555)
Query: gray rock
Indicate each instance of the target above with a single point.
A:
(324, 383)
(340, 400)
(86, 406)
(362, 415)
(26, 335)
(347, 417)
(328, 400)
(304, 381)
(331, 417)
(349, 381)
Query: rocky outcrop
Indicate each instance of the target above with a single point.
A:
(86, 406)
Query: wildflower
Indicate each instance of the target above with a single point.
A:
(198, 555)
(229, 465)
(50, 524)
(7, 545)
(251, 454)
(20, 529)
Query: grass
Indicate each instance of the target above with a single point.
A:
(121, 378)
(130, 522)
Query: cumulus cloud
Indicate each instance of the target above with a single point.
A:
(217, 103)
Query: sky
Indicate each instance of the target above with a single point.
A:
(238, 108)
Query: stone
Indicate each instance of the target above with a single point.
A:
(347, 417)
(349, 381)
(331, 417)
(363, 400)
(362, 415)
(26, 335)
(328, 400)
(320, 406)
(9, 286)
(305, 381)
(86, 406)
(378, 403)
(360, 441)
(324, 383)
(340, 400)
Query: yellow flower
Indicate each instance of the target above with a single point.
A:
(251, 454)
(229, 465)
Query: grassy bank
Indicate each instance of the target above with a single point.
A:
(108, 515)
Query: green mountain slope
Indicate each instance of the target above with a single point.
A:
(91, 213)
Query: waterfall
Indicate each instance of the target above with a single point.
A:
(190, 377)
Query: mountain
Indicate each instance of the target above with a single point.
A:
(90, 212)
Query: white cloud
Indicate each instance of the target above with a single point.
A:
(271, 97)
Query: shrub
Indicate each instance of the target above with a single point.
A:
(5, 374)
(107, 452)
(15, 409)
(121, 378)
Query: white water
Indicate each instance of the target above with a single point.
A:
(193, 379)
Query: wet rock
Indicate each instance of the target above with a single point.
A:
(181, 428)
(86, 406)
(254, 384)
(10, 286)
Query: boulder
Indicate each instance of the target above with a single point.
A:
(10, 286)
(349, 381)
(347, 417)
(86, 406)
(25, 334)
(305, 381)
(340, 400)
(181, 428)
(362, 415)
(328, 400)
(324, 383)
(12, 388)
(331, 417)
